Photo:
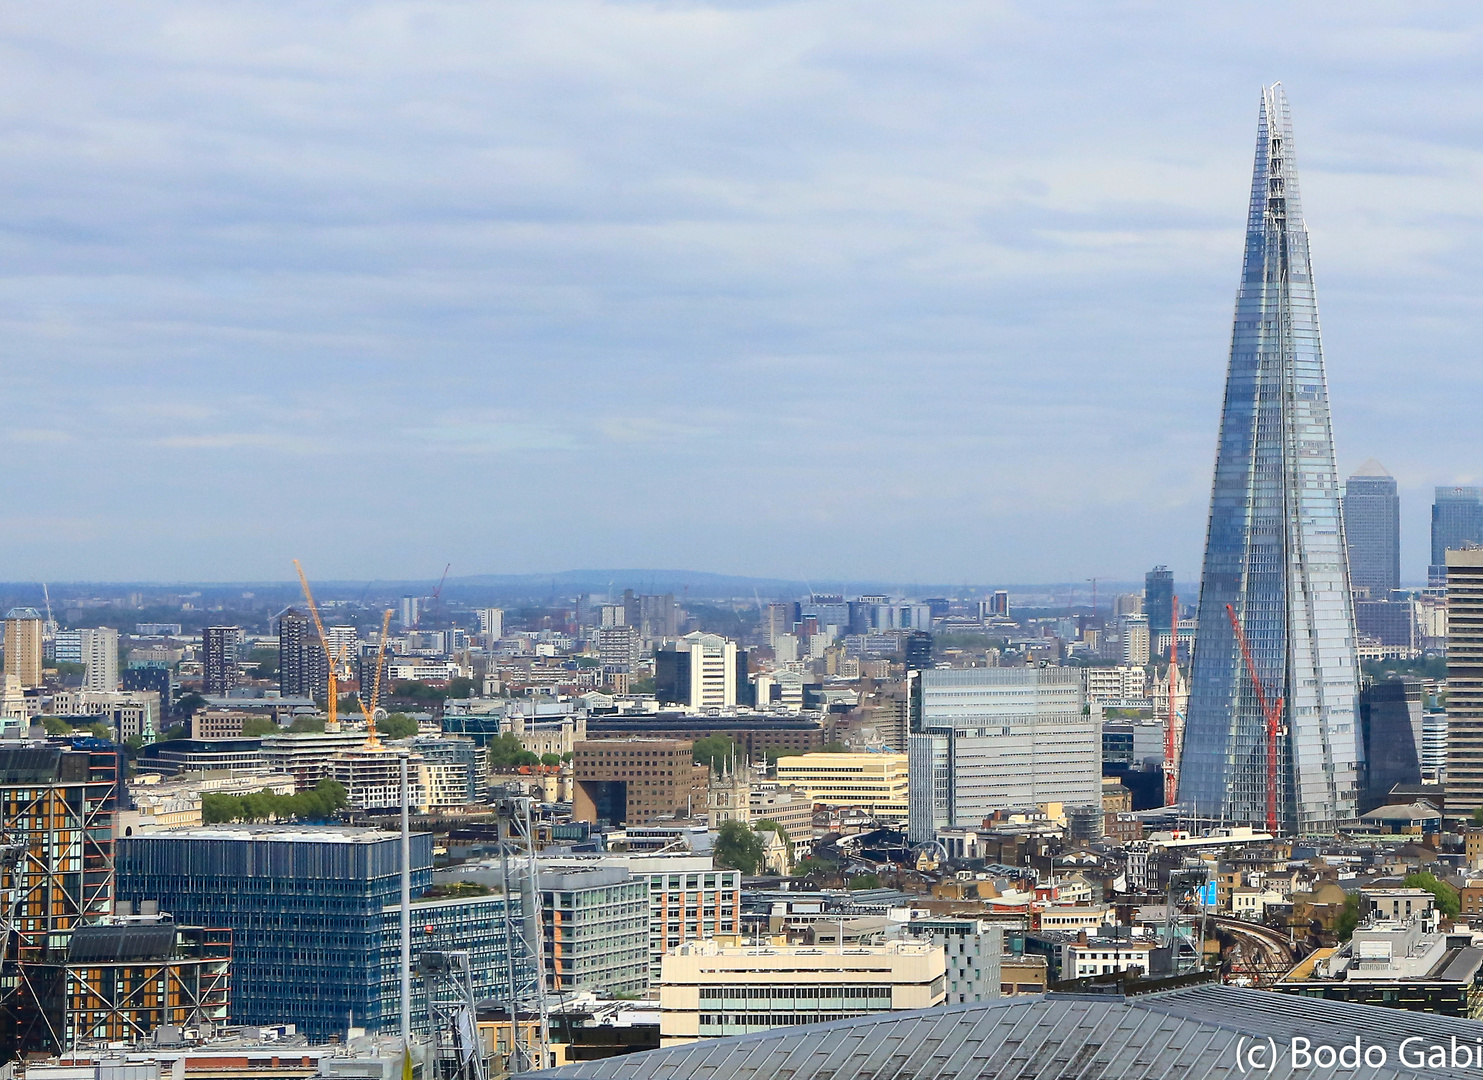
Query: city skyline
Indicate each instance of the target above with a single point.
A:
(739, 276)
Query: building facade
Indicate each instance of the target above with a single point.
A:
(23, 646)
(1457, 523)
(219, 647)
(1464, 727)
(991, 739)
(1274, 554)
(596, 925)
(306, 907)
(634, 781)
(874, 783)
(99, 652)
(1372, 531)
(700, 671)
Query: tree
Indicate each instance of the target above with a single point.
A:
(255, 727)
(774, 752)
(550, 761)
(713, 751)
(737, 848)
(1478, 816)
(461, 687)
(187, 704)
(266, 661)
(55, 725)
(641, 686)
(397, 726)
(307, 725)
(833, 748)
(1348, 918)
(506, 751)
(813, 864)
(1449, 903)
(865, 881)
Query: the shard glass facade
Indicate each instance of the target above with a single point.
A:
(1275, 549)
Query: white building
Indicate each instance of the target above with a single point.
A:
(1116, 683)
(972, 950)
(996, 739)
(704, 671)
(492, 624)
(100, 658)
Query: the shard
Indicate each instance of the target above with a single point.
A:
(1274, 554)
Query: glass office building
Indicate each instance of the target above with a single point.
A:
(1275, 547)
(1372, 531)
(311, 910)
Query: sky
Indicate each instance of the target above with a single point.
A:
(816, 289)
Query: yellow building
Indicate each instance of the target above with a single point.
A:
(708, 989)
(23, 646)
(875, 783)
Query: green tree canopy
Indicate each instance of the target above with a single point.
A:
(737, 848)
(506, 751)
(865, 881)
(255, 727)
(320, 804)
(713, 750)
(1449, 903)
(1348, 918)
(307, 725)
(397, 726)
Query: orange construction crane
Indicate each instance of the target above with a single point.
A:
(1171, 744)
(372, 742)
(1273, 713)
(333, 662)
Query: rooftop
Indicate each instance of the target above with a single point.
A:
(291, 834)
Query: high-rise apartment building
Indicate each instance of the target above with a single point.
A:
(1158, 605)
(293, 639)
(658, 616)
(700, 671)
(410, 611)
(23, 646)
(990, 739)
(99, 658)
(1274, 554)
(618, 647)
(780, 618)
(1464, 783)
(492, 624)
(1457, 522)
(219, 647)
(1372, 531)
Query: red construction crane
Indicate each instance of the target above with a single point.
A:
(1171, 744)
(1273, 713)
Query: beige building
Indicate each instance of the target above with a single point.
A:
(127, 712)
(23, 646)
(709, 989)
(874, 783)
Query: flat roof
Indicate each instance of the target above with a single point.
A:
(319, 834)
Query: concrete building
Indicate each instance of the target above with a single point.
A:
(306, 755)
(491, 624)
(372, 778)
(618, 646)
(991, 739)
(293, 639)
(709, 989)
(1120, 683)
(973, 951)
(635, 781)
(1464, 784)
(596, 924)
(700, 671)
(23, 646)
(99, 650)
(219, 649)
(874, 783)
(126, 713)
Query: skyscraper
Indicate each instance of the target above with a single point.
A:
(23, 645)
(1158, 605)
(1372, 531)
(100, 656)
(293, 639)
(1457, 521)
(1274, 554)
(219, 663)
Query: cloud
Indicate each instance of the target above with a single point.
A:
(722, 284)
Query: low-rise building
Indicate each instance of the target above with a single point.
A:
(973, 950)
(874, 783)
(709, 989)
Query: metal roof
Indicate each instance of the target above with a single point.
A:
(1194, 1033)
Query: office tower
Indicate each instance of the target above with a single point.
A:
(700, 671)
(618, 647)
(1390, 716)
(634, 781)
(1457, 521)
(62, 803)
(492, 624)
(918, 650)
(293, 640)
(219, 660)
(313, 912)
(1464, 783)
(1127, 604)
(1158, 605)
(989, 739)
(998, 605)
(658, 616)
(411, 611)
(1372, 531)
(152, 676)
(1388, 622)
(23, 646)
(596, 925)
(100, 658)
(67, 647)
(780, 618)
(1274, 552)
(874, 783)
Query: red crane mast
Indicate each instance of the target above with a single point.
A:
(1273, 713)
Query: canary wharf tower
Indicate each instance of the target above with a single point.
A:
(1274, 554)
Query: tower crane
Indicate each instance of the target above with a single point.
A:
(331, 661)
(1273, 713)
(369, 712)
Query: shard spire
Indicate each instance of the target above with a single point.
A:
(1274, 553)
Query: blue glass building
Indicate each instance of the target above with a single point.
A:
(1275, 548)
(313, 914)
